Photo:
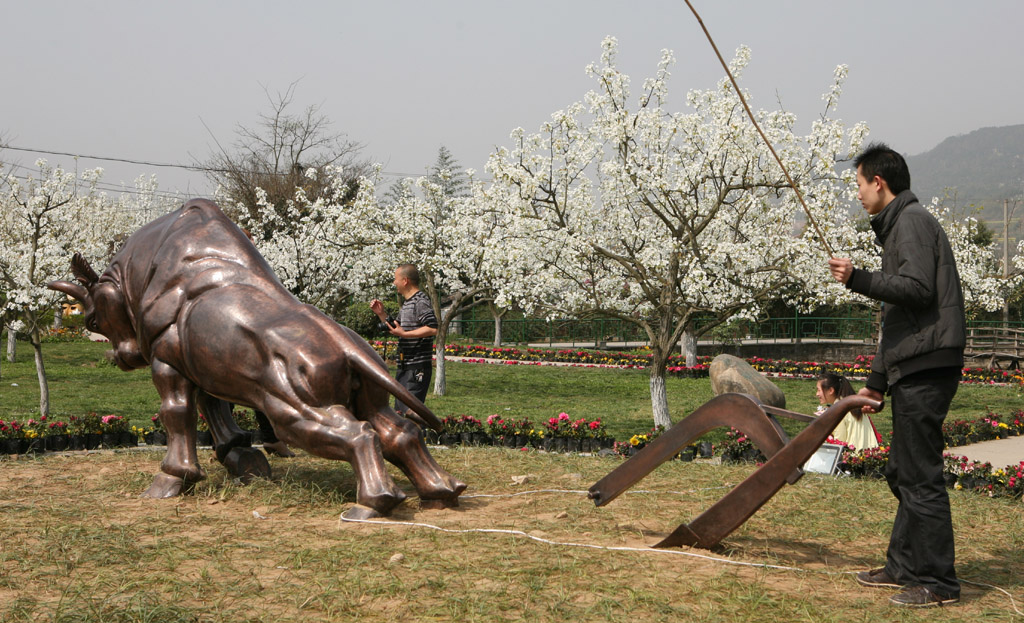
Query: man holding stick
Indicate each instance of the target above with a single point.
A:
(919, 362)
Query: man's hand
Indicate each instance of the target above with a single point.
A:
(378, 308)
(423, 331)
(841, 268)
(872, 394)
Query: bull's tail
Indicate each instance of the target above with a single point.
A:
(374, 370)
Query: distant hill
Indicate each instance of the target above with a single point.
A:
(985, 167)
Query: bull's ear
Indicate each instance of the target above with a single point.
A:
(72, 289)
(82, 271)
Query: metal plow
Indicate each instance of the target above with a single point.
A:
(757, 422)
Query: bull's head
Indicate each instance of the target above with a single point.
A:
(105, 313)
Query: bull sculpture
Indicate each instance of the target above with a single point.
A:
(191, 297)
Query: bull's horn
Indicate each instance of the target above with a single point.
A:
(82, 271)
(72, 289)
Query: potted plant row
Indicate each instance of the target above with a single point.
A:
(86, 432)
(559, 434)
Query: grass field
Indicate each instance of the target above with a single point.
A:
(82, 381)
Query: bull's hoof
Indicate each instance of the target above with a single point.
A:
(361, 512)
(165, 486)
(247, 464)
(436, 505)
(448, 490)
(382, 503)
(241, 440)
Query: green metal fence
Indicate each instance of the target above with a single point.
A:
(604, 331)
(610, 331)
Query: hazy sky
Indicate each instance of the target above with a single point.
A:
(144, 80)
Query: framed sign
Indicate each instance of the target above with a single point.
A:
(825, 460)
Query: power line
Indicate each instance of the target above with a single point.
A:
(110, 186)
(187, 167)
(171, 195)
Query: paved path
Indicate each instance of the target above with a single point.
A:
(998, 452)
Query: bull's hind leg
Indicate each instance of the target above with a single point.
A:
(231, 444)
(403, 445)
(334, 433)
(180, 467)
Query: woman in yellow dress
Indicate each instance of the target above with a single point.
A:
(856, 428)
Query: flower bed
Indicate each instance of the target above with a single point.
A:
(560, 433)
(959, 471)
(991, 426)
(63, 334)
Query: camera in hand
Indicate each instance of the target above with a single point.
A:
(388, 324)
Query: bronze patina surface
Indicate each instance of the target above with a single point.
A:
(190, 296)
(755, 421)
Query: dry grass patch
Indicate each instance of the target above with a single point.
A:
(79, 545)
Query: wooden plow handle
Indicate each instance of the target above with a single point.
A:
(756, 422)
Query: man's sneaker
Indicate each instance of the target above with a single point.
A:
(921, 597)
(877, 578)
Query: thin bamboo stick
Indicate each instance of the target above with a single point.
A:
(743, 101)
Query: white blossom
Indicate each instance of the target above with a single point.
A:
(622, 207)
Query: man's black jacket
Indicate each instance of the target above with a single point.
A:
(923, 325)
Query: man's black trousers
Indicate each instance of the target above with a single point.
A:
(415, 378)
(921, 546)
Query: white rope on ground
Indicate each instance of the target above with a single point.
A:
(613, 548)
(1013, 603)
(623, 548)
(578, 491)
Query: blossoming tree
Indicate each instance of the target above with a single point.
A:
(981, 272)
(328, 244)
(44, 219)
(625, 208)
(445, 235)
(297, 236)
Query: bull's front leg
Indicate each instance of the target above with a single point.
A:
(180, 467)
(402, 443)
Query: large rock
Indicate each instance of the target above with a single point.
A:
(731, 374)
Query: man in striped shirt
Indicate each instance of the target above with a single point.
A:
(415, 329)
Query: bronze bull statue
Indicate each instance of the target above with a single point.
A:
(191, 297)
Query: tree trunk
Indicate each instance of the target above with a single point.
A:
(497, 330)
(58, 317)
(12, 340)
(689, 346)
(659, 399)
(440, 381)
(44, 388)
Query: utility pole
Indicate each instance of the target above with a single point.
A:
(1006, 258)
